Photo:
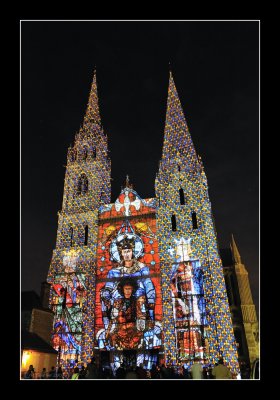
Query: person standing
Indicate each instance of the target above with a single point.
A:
(121, 372)
(83, 371)
(59, 373)
(163, 371)
(221, 371)
(92, 370)
(154, 372)
(30, 374)
(52, 374)
(76, 373)
(44, 373)
(196, 370)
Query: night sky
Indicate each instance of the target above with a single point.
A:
(215, 66)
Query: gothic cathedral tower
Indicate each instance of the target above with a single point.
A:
(87, 186)
(196, 316)
(248, 308)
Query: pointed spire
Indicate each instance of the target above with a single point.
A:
(176, 133)
(127, 183)
(234, 250)
(92, 112)
(127, 180)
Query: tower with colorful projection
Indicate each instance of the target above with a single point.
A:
(87, 185)
(138, 281)
(188, 251)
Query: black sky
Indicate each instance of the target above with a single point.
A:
(216, 72)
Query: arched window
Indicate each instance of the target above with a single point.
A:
(173, 222)
(82, 184)
(182, 197)
(93, 152)
(79, 186)
(194, 220)
(179, 168)
(71, 236)
(86, 235)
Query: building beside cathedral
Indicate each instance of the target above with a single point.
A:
(243, 311)
(140, 280)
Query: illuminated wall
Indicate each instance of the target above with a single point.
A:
(188, 308)
(185, 218)
(128, 283)
(138, 274)
(39, 360)
(87, 185)
(69, 295)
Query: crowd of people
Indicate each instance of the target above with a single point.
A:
(92, 371)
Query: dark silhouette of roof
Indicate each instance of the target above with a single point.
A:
(31, 341)
(226, 257)
(30, 300)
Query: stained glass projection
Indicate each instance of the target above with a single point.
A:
(128, 296)
(68, 295)
(188, 301)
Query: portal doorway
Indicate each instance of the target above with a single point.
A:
(129, 358)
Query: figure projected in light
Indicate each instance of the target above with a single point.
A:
(129, 319)
(184, 294)
(69, 291)
(187, 299)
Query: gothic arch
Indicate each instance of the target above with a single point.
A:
(182, 197)
(71, 234)
(86, 235)
(194, 220)
(173, 223)
(82, 187)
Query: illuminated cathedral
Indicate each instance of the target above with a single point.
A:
(138, 281)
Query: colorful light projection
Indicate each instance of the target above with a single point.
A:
(128, 294)
(181, 171)
(87, 185)
(188, 302)
(68, 295)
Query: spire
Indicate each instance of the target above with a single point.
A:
(128, 184)
(235, 252)
(176, 133)
(92, 112)
(127, 181)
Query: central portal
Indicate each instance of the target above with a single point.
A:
(129, 358)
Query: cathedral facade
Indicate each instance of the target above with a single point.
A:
(138, 281)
